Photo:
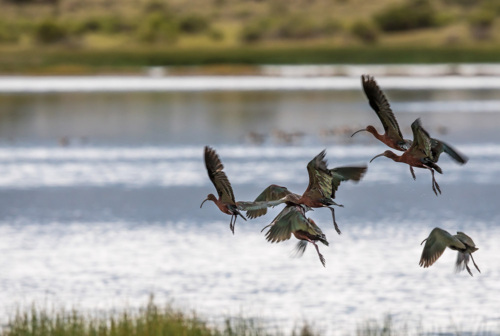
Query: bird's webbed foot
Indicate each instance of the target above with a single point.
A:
(321, 258)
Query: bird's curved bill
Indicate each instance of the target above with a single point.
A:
(361, 130)
(203, 202)
(376, 156)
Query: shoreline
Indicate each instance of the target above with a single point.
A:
(269, 78)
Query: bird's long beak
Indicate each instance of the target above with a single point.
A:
(203, 202)
(382, 154)
(361, 130)
(265, 227)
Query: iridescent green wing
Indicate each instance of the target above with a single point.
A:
(421, 140)
(218, 177)
(465, 239)
(271, 196)
(349, 173)
(320, 179)
(380, 105)
(292, 218)
(435, 245)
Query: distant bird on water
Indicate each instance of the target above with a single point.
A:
(292, 220)
(225, 202)
(392, 136)
(439, 240)
(323, 183)
(419, 154)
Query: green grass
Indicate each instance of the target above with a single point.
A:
(151, 320)
(155, 320)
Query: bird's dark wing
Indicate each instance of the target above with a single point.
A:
(439, 146)
(350, 173)
(435, 245)
(421, 140)
(320, 179)
(465, 239)
(380, 105)
(292, 218)
(266, 198)
(218, 177)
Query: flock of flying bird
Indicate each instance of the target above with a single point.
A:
(422, 152)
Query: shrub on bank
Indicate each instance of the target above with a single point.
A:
(366, 31)
(193, 24)
(157, 27)
(49, 31)
(8, 33)
(415, 14)
(481, 23)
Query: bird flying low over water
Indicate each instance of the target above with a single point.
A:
(419, 154)
(292, 220)
(378, 102)
(439, 240)
(226, 202)
(323, 183)
(392, 136)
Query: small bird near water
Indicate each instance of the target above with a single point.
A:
(439, 240)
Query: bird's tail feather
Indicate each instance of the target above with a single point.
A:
(300, 248)
(462, 261)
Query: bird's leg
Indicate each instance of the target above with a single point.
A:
(232, 222)
(435, 185)
(412, 173)
(475, 263)
(334, 222)
(321, 258)
(468, 269)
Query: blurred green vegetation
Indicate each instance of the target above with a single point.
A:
(158, 32)
(154, 320)
(151, 320)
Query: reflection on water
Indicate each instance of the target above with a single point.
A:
(173, 118)
(101, 191)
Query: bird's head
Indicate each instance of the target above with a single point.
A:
(387, 153)
(210, 197)
(368, 128)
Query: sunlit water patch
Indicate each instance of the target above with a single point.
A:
(372, 270)
(167, 166)
(26, 84)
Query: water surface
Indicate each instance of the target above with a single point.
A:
(100, 195)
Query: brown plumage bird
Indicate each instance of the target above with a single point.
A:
(439, 240)
(419, 155)
(225, 202)
(392, 136)
(323, 183)
(292, 220)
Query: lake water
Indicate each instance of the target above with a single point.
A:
(100, 194)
